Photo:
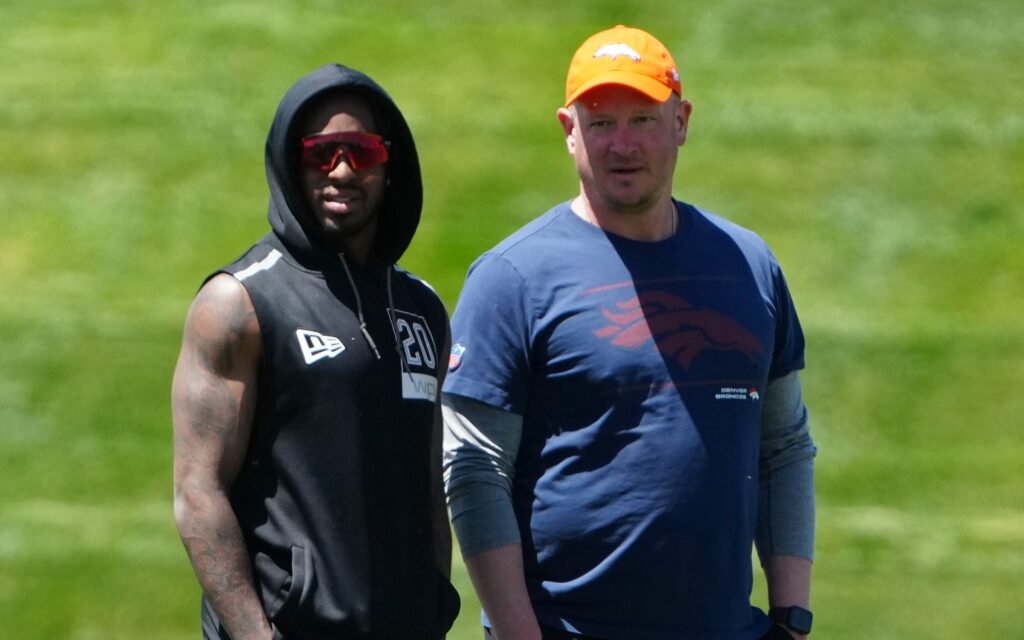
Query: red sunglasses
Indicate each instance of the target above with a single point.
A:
(361, 150)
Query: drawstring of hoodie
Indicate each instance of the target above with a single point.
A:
(359, 305)
(362, 321)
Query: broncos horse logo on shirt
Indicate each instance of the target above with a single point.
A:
(677, 328)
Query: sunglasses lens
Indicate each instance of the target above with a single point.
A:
(369, 155)
(317, 156)
(360, 150)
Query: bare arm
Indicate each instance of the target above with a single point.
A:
(786, 502)
(498, 579)
(213, 399)
(480, 448)
(789, 582)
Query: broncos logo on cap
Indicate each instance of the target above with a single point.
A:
(678, 328)
(616, 49)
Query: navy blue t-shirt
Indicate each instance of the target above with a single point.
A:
(638, 369)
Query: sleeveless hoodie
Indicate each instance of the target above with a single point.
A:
(334, 498)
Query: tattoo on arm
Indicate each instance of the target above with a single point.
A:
(213, 400)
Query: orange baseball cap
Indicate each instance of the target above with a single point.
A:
(624, 56)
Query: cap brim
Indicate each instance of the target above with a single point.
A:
(646, 85)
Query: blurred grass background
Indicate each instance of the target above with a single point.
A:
(878, 148)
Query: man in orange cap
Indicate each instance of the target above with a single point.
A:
(623, 410)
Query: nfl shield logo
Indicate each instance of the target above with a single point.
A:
(455, 358)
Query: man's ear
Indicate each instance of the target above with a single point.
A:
(568, 121)
(683, 121)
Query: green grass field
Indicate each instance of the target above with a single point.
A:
(878, 148)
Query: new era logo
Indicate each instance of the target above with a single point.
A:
(316, 346)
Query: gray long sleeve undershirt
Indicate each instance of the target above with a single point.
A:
(481, 443)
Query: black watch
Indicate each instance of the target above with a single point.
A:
(796, 618)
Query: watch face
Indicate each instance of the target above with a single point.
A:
(799, 620)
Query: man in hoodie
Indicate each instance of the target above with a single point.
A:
(623, 403)
(305, 398)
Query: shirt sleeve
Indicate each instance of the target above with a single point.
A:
(789, 336)
(491, 342)
(785, 516)
(480, 447)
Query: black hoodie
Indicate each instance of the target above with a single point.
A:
(334, 499)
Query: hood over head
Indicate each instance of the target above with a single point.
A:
(289, 213)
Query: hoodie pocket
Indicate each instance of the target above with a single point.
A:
(449, 602)
(292, 586)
